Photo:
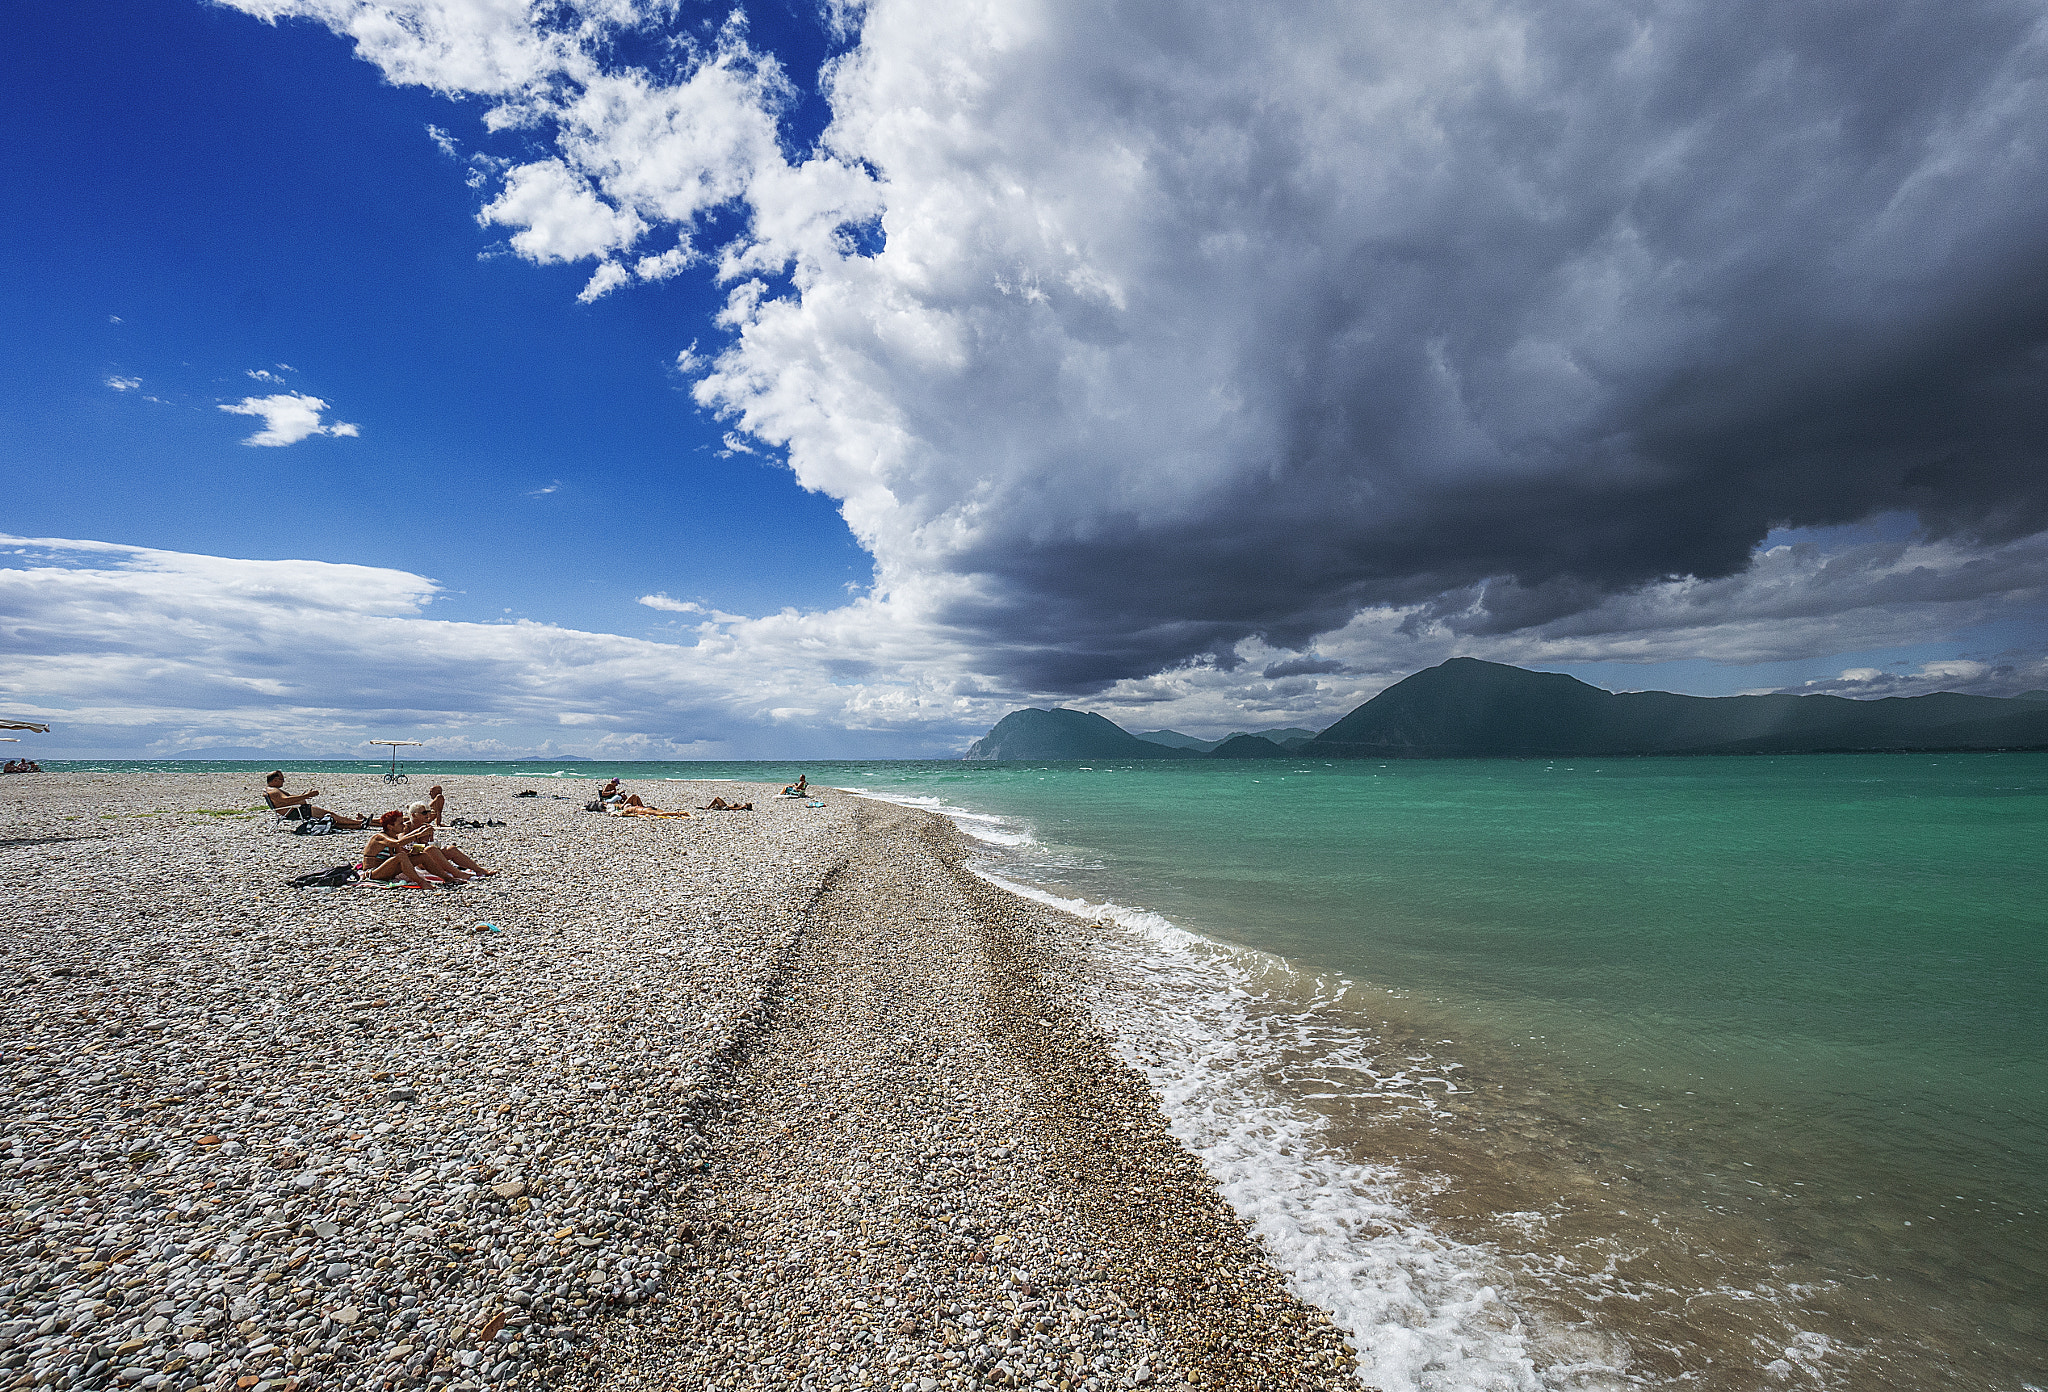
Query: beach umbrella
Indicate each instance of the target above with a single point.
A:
(394, 776)
(23, 725)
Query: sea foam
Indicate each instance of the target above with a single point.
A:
(1212, 1026)
(1204, 1024)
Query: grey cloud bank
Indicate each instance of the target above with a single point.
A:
(134, 652)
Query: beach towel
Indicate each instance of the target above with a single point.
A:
(400, 882)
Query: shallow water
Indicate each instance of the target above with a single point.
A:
(1721, 1072)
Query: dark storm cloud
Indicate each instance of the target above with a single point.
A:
(1302, 667)
(1674, 276)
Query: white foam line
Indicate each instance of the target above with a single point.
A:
(1423, 1311)
(980, 825)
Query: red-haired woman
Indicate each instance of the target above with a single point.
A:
(389, 854)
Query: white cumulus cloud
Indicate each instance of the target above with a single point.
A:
(288, 417)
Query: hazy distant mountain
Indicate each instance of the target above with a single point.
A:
(251, 753)
(1249, 747)
(1465, 707)
(1288, 738)
(1066, 734)
(1174, 739)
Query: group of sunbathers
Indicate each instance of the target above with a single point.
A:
(624, 804)
(22, 766)
(611, 798)
(402, 844)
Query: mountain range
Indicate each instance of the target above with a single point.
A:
(1465, 708)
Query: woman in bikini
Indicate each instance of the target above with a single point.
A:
(420, 833)
(389, 854)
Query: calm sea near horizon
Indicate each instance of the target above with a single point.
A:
(1730, 1072)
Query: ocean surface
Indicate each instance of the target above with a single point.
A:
(1709, 1072)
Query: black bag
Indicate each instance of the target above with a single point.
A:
(317, 826)
(327, 879)
(593, 807)
(528, 793)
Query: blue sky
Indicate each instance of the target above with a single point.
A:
(678, 381)
(195, 195)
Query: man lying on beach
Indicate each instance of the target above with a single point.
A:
(719, 804)
(298, 807)
(644, 809)
(420, 832)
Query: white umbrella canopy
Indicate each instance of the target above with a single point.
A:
(394, 776)
(23, 725)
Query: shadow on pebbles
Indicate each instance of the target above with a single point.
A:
(786, 1098)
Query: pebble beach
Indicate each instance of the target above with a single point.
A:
(774, 1098)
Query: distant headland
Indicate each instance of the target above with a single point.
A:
(1465, 708)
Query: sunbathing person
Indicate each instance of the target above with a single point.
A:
(298, 807)
(419, 831)
(800, 788)
(719, 804)
(388, 855)
(438, 801)
(644, 809)
(612, 797)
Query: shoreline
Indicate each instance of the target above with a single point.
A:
(789, 1096)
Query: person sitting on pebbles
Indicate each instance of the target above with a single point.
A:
(389, 854)
(419, 831)
(298, 807)
(437, 800)
(800, 788)
(611, 796)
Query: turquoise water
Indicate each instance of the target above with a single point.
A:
(1747, 1058)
